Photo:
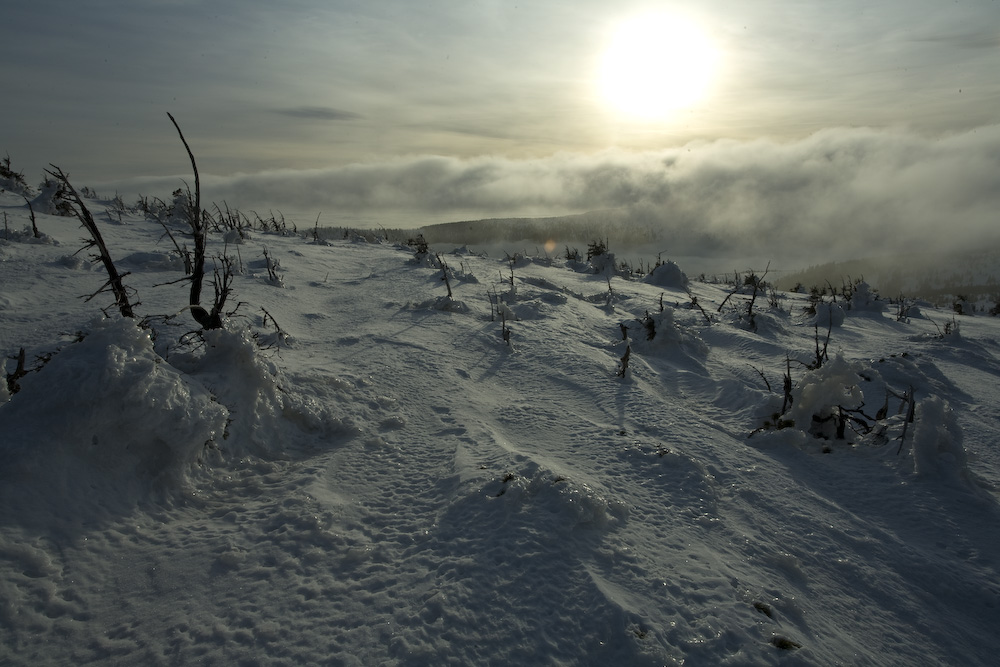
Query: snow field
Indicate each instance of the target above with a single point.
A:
(393, 484)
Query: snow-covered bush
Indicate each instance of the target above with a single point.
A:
(828, 314)
(180, 206)
(26, 235)
(865, 300)
(51, 200)
(667, 274)
(961, 306)
(13, 181)
(604, 264)
(250, 386)
(154, 209)
(829, 403)
(568, 504)
(142, 427)
(937, 443)
(657, 335)
(152, 261)
(825, 397)
(445, 303)
(596, 249)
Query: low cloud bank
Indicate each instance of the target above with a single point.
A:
(839, 192)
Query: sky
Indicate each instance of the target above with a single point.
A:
(403, 113)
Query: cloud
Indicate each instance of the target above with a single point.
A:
(839, 193)
(319, 113)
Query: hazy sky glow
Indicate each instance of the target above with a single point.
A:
(489, 106)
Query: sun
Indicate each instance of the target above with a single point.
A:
(656, 64)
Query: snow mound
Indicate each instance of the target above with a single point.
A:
(259, 401)
(445, 303)
(658, 334)
(154, 261)
(144, 427)
(74, 262)
(49, 201)
(567, 503)
(937, 443)
(828, 315)
(25, 235)
(149, 425)
(668, 274)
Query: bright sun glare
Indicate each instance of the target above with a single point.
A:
(656, 64)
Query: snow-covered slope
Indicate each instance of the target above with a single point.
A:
(359, 470)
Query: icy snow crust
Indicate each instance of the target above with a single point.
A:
(394, 484)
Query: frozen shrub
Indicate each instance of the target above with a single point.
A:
(419, 245)
(12, 181)
(601, 261)
(52, 200)
(658, 335)
(667, 274)
(937, 443)
(961, 305)
(825, 397)
(828, 315)
(865, 300)
(596, 249)
(604, 264)
(180, 206)
(815, 299)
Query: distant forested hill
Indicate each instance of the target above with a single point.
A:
(621, 228)
(937, 278)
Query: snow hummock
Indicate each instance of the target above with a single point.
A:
(359, 469)
(110, 425)
(667, 274)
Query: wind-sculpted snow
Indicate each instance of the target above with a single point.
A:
(107, 425)
(261, 402)
(361, 470)
(658, 336)
(153, 261)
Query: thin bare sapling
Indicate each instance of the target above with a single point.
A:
(79, 209)
(196, 220)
